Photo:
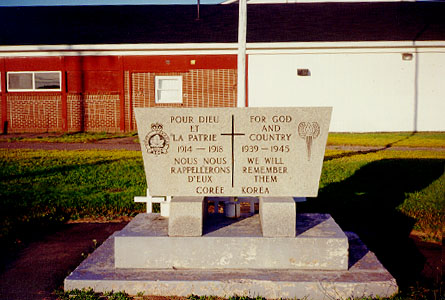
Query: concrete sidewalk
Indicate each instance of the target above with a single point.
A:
(126, 143)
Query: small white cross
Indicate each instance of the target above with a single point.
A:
(149, 200)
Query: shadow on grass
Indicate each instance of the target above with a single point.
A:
(366, 203)
(359, 152)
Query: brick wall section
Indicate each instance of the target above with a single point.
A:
(34, 113)
(98, 112)
(200, 88)
(74, 112)
(128, 111)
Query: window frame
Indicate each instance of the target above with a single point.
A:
(33, 89)
(157, 89)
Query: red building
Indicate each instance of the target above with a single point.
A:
(99, 93)
(74, 69)
(85, 68)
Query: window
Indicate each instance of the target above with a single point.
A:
(168, 89)
(34, 81)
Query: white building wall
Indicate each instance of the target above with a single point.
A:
(431, 92)
(369, 91)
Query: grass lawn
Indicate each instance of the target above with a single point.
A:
(39, 188)
(400, 139)
(411, 183)
(380, 195)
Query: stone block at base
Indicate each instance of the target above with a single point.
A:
(232, 244)
(366, 277)
(186, 216)
(277, 216)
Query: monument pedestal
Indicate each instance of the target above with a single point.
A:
(232, 244)
(235, 259)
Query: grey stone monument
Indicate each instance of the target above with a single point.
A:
(199, 157)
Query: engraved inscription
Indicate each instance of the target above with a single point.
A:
(233, 152)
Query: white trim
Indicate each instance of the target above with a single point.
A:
(118, 53)
(218, 48)
(19, 90)
(364, 44)
(119, 49)
(107, 47)
(33, 82)
(346, 47)
(241, 57)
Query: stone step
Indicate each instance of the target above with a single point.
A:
(319, 244)
(365, 277)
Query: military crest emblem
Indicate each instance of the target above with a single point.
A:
(156, 141)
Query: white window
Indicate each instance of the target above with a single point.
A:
(34, 81)
(168, 89)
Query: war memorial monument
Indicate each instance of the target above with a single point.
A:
(228, 180)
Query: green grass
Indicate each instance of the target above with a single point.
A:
(380, 195)
(427, 206)
(77, 137)
(89, 294)
(408, 182)
(401, 139)
(68, 185)
(47, 187)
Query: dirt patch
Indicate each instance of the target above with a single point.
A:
(40, 268)
(434, 254)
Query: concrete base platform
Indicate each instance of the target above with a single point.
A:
(365, 277)
(228, 244)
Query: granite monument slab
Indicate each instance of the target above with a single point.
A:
(233, 151)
